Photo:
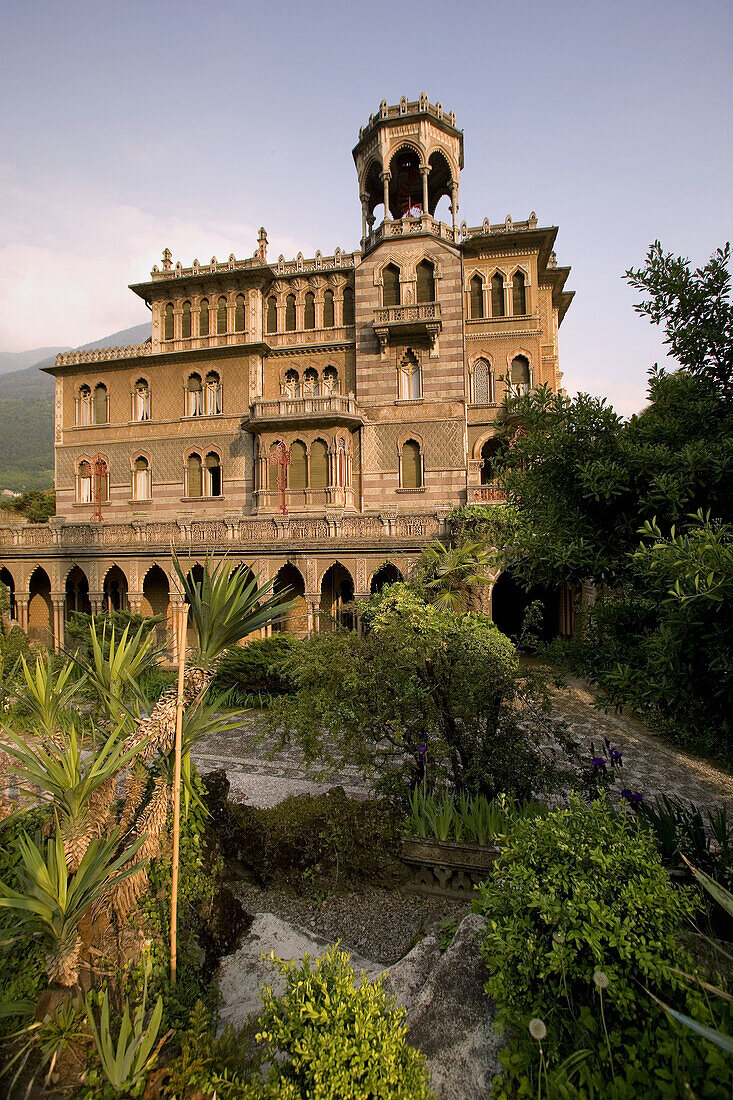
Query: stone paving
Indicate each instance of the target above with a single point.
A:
(263, 775)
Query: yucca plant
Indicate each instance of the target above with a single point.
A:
(51, 902)
(114, 670)
(130, 1059)
(225, 607)
(47, 695)
(79, 784)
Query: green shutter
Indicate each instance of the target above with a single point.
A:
(319, 465)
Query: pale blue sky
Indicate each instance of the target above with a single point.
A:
(128, 127)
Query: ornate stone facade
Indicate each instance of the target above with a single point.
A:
(379, 373)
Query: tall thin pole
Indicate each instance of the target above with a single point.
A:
(182, 625)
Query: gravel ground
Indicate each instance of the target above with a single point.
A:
(380, 924)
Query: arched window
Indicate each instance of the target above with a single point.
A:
(519, 294)
(84, 482)
(101, 404)
(239, 314)
(141, 400)
(319, 465)
(221, 316)
(425, 281)
(328, 314)
(310, 383)
(204, 317)
(186, 321)
(330, 380)
(410, 379)
(290, 313)
(275, 470)
(298, 468)
(310, 310)
(212, 394)
(212, 475)
(141, 479)
(520, 374)
(411, 465)
(168, 321)
(84, 406)
(193, 476)
(481, 383)
(497, 295)
(292, 383)
(349, 317)
(194, 396)
(477, 296)
(390, 285)
(489, 451)
(272, 314)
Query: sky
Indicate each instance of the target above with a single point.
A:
(128, 127)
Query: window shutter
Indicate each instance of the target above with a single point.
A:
(319, 465)
(221, 316)
(411, 466)
(425, 282)
(391, 286)
(194, 476)
(328, 317)
(272, 314)
(239, 314)
(477, 297)
(186, 321)
(349, 318)
(497, 296)
(204, 318)
(297, 467)
(100, 405)
(290, 313)
(519, 294)
(310, 311)
(481, 383)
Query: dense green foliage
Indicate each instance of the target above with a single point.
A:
(581, 922)
(26, 439)
(465, 819)
(36, 506)
(333, 1038)
(423, 693)
(259, 666)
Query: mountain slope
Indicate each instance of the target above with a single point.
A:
(26, 415)
(12, 361)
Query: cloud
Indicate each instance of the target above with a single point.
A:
(67, 256)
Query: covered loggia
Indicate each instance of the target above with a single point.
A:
(40, 608)
(156, 601)
(114, 590)
(77, 593)
(6, 578)
(290, 586)
(509, 603)
(386, 574)
(337, 592)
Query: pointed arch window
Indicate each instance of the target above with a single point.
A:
(84, 406)
(310, 383)
(411, 470)
(425, 281)
(194, 396)
(497, 295)
(272, 314)
(410, 378)
(212, 394)
(298, 468)
(212, 475)
(309, 320)
(239, 314)
(519, 294)
(391, 285)
(290, 313)
(349, 316)
(330, 380)
(101, 404)
(204, 317)
(328, 313)
(481, 383)
(168, 321)
(194, 482)
(84, 482)
(477, 297)
(292, 383)
(141, 400)
(141, 489)
(221, 316)
(319, 465)
(186, 321)
(520, 374)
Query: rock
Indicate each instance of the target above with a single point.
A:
(449, 1016)
(225, 923)
(241, 974)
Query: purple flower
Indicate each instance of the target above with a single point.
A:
(422, 751)
(615, 755)
(632, 796)
(599, 762)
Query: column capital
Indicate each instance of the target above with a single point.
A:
(385, 176)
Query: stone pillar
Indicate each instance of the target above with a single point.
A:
(95, 602)
(312, 604)
(364, 208)
(425, 172)
(385, 178)
(58, 599)
(135, 602)
(21, 610)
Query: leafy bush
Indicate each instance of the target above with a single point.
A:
(330, 1038)
(581, 920)
(467, 820)
(79, 625)
(259, 667)
(22, 973)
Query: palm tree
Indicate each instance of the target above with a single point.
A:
(450, 572)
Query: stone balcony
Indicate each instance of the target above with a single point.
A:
(487, 494)
(407, 322)
(328, 409)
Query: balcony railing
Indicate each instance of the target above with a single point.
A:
(336, 406)
(489, 494)
(425, 312)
